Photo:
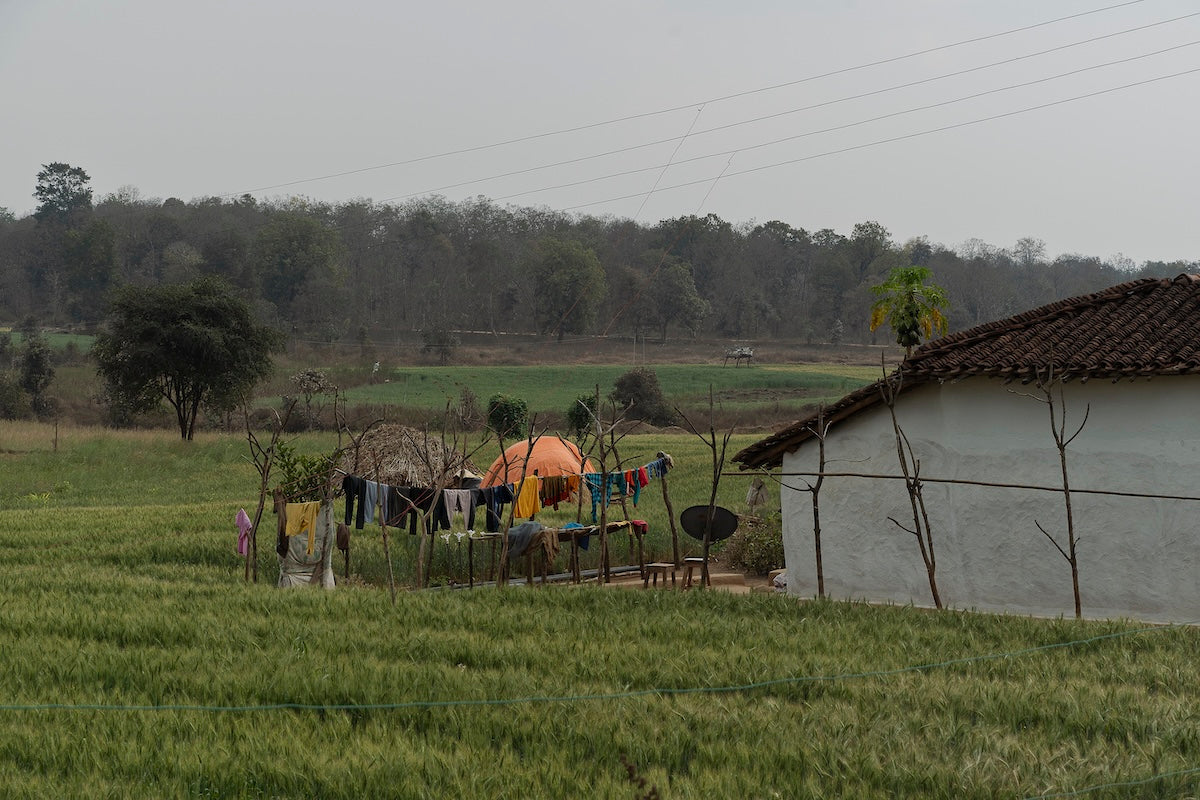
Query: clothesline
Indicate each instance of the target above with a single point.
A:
(438, 507)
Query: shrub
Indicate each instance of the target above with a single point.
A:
(36, 370)
(440, 341)
(507, 415)
(580, 414)
(305, 475)
(469, 414)
(756, 547)
(313, 383)
(14, 402)
(639, 394)
(114, 411)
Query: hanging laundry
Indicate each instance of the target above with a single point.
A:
(583, 541)
(555, 489)
(494, 500)
(370, 497)
(521, 537)
(301, 518)
(428, 501)
(354, 488)
(281, 540)
(460, 501)
(526, 504)
(601, 490)
(400, 507)
(242, 520)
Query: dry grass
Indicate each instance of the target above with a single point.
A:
(404, 456)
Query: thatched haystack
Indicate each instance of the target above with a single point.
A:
(401, 456)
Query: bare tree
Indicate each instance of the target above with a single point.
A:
(819, 430)
(910, 466)
(606, 443)
(1045, 383)
(264, 460)
(531, 439)
(718, 448)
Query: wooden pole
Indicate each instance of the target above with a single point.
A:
(671, 519)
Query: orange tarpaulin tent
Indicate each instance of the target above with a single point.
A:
(550, 456)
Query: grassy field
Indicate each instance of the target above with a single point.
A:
(134, 662)
(57, 340)
(787, 387)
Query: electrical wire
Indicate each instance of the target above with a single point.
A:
(879, 142)
(823, 104)
(646, 195)
(1119, 785)
(672, 109)
(793, 137)
(667, 166)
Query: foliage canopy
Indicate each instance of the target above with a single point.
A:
(912, 307)
(639, 394)
(568, 282)
(62, 190)
(507, 415)
(193, 344)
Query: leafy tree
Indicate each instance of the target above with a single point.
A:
(868, 241)
(291, 248)
(441, 341)
(14, 402)
(911, 307)
(89, 256)
(640, 396)
(669, 294)
(567, 282)
(581, 413)
(313, 383)
(507, 415)
(36, 369)
(191, 345)
(62, 191)
(7, 349)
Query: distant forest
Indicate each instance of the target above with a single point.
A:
(365, 271)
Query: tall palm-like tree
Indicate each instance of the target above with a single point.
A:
(910, 305)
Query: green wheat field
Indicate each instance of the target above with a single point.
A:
(136, 662)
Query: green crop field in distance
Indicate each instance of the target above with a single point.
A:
(556, 387)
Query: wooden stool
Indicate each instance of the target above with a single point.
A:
(659, 568)
(691, 564)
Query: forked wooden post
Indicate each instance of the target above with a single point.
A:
(671, 520)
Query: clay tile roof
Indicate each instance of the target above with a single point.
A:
(1142, 328)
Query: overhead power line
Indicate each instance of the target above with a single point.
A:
(890, 139)
(823, 104)
(672, 109)
(845, 126)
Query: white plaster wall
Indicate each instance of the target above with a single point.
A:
(1137, 557)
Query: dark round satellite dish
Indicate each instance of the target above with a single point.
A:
(693, 519)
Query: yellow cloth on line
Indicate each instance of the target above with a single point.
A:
(302, 517)
(527, 503)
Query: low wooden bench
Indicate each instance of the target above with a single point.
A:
(657, 568)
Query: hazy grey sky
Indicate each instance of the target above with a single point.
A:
(211, 98)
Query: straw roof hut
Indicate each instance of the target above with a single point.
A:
(403, 456)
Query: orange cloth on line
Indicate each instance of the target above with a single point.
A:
(527, 503)
(302, 517)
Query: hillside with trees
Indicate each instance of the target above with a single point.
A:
(366, 271)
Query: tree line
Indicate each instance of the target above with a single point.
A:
(362, 270)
